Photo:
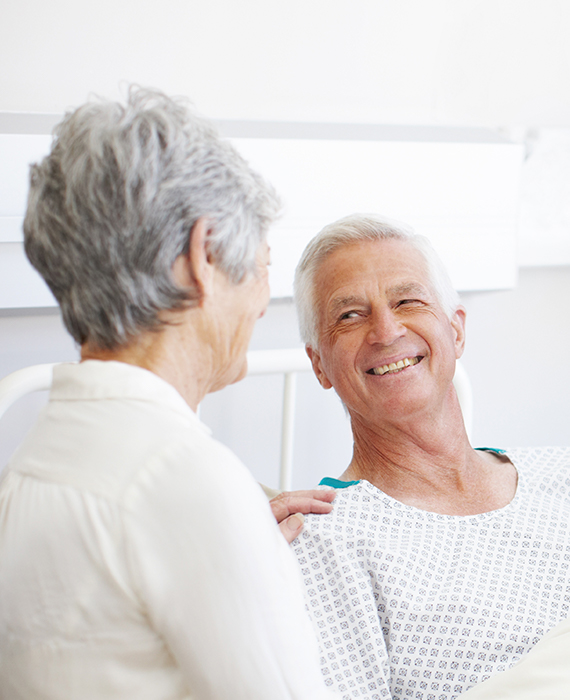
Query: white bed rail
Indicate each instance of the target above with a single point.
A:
(24, 381)
(287, 362)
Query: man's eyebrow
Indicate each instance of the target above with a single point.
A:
(341, 302)
(408, 289)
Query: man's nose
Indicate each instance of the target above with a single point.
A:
(384, 327)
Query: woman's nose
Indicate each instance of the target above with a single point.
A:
(384, 328)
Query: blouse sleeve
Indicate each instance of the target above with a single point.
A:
(218, 579)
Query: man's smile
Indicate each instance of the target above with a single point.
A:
(396, 366)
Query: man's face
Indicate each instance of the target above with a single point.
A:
(385, 343)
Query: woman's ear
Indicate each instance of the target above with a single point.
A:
(194, 268)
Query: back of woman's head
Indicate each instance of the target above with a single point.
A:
(113, 204)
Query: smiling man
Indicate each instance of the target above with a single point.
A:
(439, 565)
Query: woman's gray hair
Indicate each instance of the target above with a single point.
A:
(348, 231)
(113, 205)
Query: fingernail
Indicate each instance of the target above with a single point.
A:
(295, 521)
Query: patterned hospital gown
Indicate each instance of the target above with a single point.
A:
(412, 604)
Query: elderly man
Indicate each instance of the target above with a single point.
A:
(440, 565)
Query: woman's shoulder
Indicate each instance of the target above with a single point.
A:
(193, 462)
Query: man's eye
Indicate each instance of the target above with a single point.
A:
(404, 302)
(348, 314)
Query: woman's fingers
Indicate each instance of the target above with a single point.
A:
(309, 501)
(292, 526)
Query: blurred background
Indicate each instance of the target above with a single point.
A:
(493, 73)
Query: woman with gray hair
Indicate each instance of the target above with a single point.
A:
(139, 558)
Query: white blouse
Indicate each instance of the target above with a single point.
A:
(139, 559)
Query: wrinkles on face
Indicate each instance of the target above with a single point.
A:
(385, 314)
(385, 343)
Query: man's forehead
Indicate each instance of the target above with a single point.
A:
(353, 256)
(391, 265)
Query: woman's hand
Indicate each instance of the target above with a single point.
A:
(288, 508)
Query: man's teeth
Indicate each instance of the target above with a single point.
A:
(396, 366)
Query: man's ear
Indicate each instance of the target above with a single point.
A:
(318, 367)
(458, 325)
(194, 268)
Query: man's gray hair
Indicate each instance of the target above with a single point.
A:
(113, 205)
(353, 229)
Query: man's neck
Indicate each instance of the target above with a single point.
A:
(432, 466)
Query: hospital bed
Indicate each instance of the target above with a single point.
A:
(287, 362)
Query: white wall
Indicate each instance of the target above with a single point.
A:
(382, 61)
(455, 62)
